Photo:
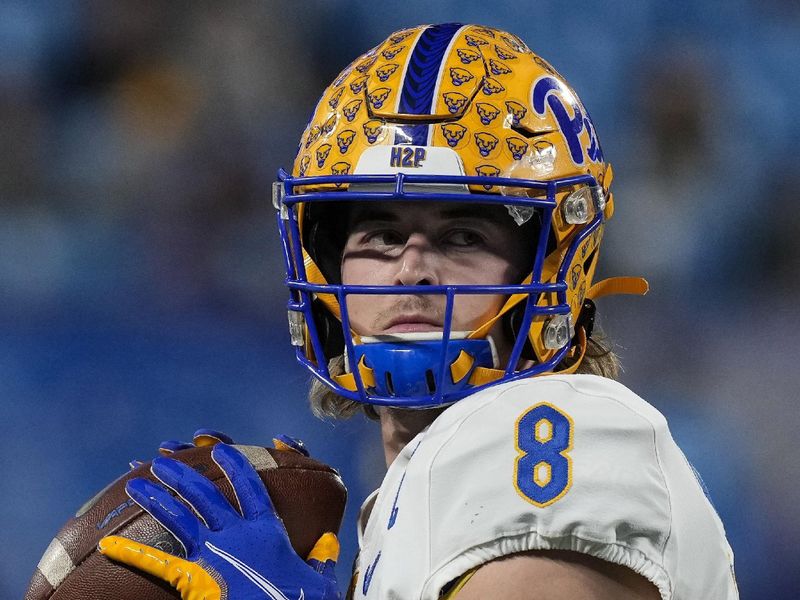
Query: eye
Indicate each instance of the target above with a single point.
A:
(382, 238)
(464, 238)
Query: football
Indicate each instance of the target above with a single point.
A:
(308, 496)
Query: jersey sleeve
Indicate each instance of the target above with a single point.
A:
(574, 463)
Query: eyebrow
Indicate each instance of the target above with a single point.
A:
(461, 211)
(362, 215)
(494, 214)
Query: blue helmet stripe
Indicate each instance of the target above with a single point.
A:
(422, 72)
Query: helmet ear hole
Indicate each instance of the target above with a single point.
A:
(324, 237)
(330, 330)
(586, 317)
(512, 321)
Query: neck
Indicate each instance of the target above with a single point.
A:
(399, 426)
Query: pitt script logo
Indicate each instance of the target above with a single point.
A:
(549, 89)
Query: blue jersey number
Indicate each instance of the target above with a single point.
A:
(543, 469)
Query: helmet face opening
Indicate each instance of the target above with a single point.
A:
(401, 371)
(450, 114)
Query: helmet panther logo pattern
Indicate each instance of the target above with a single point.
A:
(304, 165)
(455, 101)
(344, 139)
(322, 154)
(364, 66)
(517, 146)
(487, 171)
(484, 31)
(459, 76)
(378, 97)
(340, 168)
(453, 133)
(372, 129)
(329, 125)
(351, 109)
(516, 110)
(358, 85)
(386, 71)
(502, 92)
(486, 142)
(475, 41)
(492, 86)
(467, 56)
(313, 135)
(397, 38)
(575, 275)
(334, 101)
(487, 112)
(390, 53)
(503, 54)
(498, 68)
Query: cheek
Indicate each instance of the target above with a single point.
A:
(363, 270)
(472, 311)
(354, 271)
(363, 309)
(488, 269)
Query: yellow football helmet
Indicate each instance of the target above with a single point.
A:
(433, 111)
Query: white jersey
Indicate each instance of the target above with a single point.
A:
(572, 462)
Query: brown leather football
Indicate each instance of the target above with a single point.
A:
(308, 496)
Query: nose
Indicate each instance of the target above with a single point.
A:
(417, 263)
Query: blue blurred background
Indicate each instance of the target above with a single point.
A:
(140, 275)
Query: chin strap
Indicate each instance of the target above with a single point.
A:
(513, 300)
(314, 275)
(613, 286)
(483, 375)
(348, 380)
(607, 287)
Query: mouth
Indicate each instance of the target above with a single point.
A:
(412, 324)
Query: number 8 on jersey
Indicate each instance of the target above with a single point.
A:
(543, 469)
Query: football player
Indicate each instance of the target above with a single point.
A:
(441, 229)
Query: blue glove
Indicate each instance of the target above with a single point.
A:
(290, 444)
(229, 554)
(201, 437)
(210, 437)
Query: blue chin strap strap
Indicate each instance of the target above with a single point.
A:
(397, 370)
(401, 366)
